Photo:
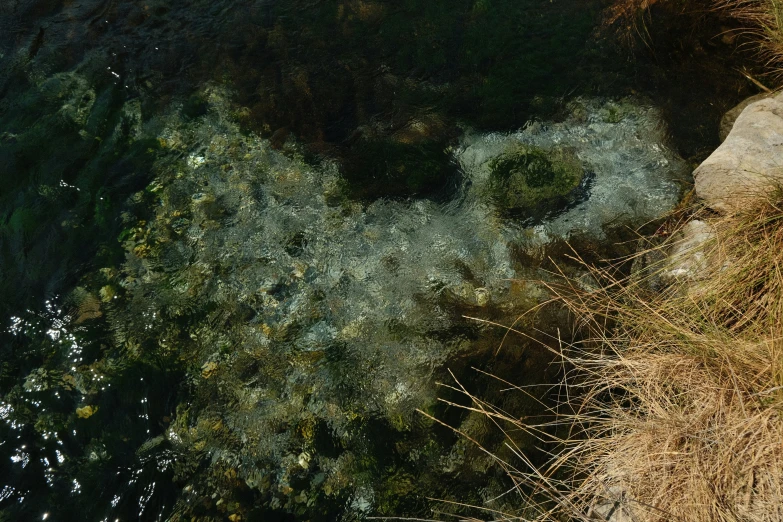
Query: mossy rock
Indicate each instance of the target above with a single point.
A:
(532, 182)
(615, 112)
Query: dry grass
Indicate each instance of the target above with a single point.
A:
(680, 408)
(672, 407)
(763, 22)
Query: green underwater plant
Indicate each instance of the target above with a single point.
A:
(527, 178)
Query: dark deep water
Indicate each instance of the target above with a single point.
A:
(238, 238)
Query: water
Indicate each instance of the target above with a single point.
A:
(240, 240)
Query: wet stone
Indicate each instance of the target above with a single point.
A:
(530, 182)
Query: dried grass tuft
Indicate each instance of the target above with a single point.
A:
(674, 398)
(681, 398)
(763, 22)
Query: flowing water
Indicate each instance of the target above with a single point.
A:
(245, 244)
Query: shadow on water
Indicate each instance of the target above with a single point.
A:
(95, 387)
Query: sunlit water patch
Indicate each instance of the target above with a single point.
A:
(66, 431)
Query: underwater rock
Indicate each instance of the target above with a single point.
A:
(85, 412)
(86, 305)
(79, 97)
(336, 313)
(532, 182)
(208, 369)
(107, 293)
(37, 380)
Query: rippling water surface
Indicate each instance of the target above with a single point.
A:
(241, 244)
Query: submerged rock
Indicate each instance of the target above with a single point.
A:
(531, 182)
(605, 165)
(86, 412)
(332, 316)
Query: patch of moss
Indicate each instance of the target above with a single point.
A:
(529, 180)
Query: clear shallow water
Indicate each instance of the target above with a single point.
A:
(307, 324)
(238, 241)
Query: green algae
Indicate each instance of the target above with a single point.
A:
(68, 154)
(529, 178)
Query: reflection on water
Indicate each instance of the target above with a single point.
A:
(65, 451)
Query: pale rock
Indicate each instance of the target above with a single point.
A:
(688, 258)
(750, 160)
(728, 119)
(615, 508)
(483, 296)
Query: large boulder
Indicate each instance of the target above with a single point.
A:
(728, 119)
(750, 160)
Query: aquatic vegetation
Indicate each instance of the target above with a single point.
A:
(525, 179)
(62, 193)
